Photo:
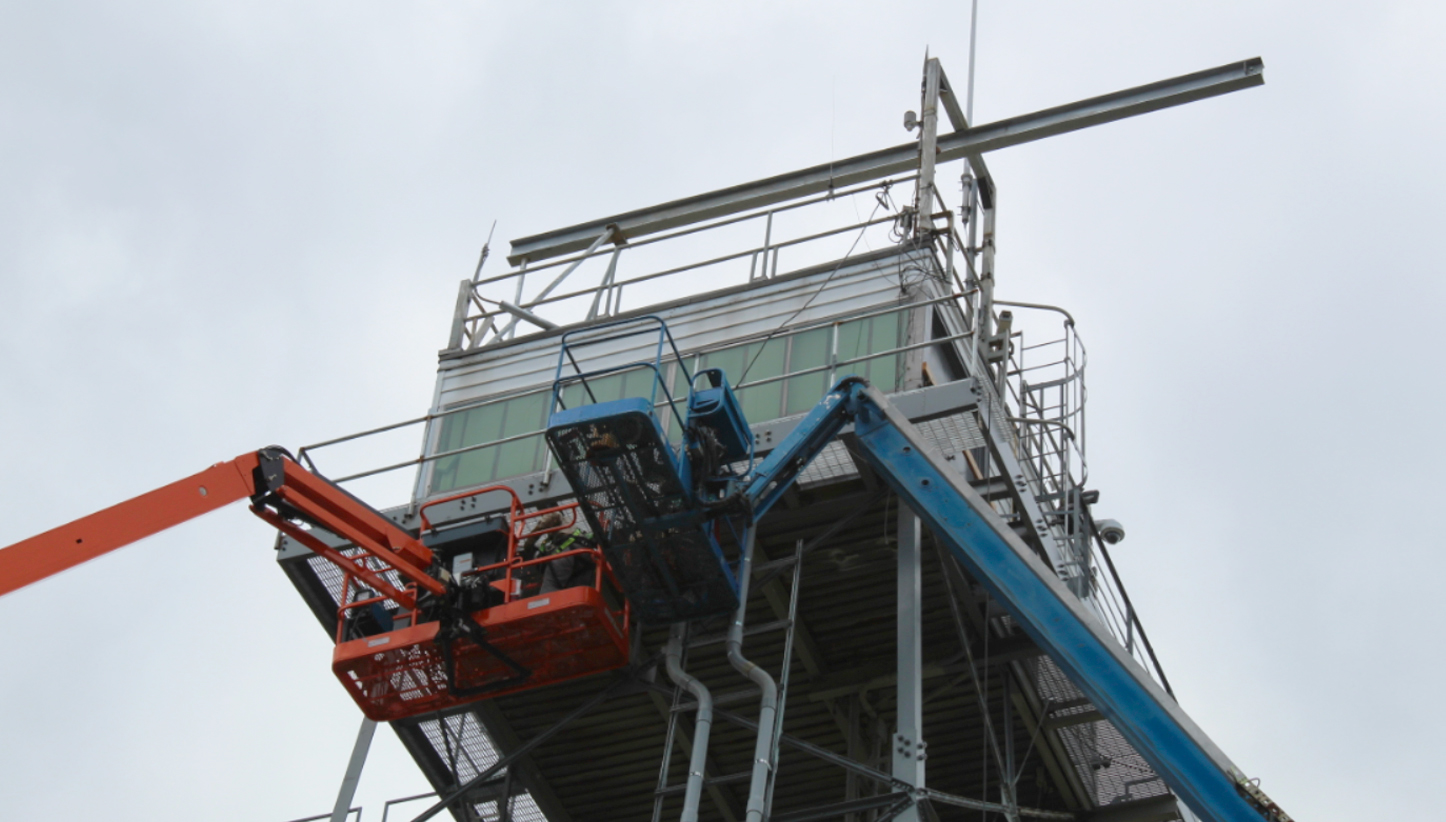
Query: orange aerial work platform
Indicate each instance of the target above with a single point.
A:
(557, 636)
(531, 636)
(412, 635)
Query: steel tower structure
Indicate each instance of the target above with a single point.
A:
(905, 690)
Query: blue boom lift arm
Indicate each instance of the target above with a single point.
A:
(1193, 766)
(659, 508)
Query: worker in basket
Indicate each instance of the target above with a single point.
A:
(563, 572)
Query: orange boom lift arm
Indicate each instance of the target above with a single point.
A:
(282, 493)
(440, 647)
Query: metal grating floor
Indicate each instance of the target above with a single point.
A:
(1109, 767)
(461, 739)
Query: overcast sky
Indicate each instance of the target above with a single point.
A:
(224, 225)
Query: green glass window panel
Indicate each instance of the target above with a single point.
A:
(608, 388)
(761, 402)
(807, 350)
(473, 426)
(485, 424)
(573, 395)
(858, 338)
(636, 382)
(471, 468)
(525, 413)
(642, 382)
(769, 363)
(887, 333)
(886, 330)
(752, 362)
(596, 389)
(731, 360)
(518, 457)
(460, 430)
(882, 372)
(679, 386)
(852, 338)
(804, 392)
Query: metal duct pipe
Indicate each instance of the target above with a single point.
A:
(702, 721)
(768, 706)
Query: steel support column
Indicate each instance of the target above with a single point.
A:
(353, 770)
(928, 142)
(908, 745)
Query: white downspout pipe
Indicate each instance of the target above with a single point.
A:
(768, 706)
(702, 721)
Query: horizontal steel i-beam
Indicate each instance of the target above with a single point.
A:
(899, 159)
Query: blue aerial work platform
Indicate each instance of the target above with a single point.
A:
(643, 496)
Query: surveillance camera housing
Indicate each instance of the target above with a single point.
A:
(1110, 530)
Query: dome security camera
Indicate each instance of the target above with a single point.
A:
(1110, 530)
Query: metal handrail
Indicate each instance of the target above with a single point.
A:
(356, 811)
(1051, 445)
(694, 229)
(556, 298)
(386, 808)
(472, 328)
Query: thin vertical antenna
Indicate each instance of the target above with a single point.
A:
(973, 27)
(481, 261)
(832, 126)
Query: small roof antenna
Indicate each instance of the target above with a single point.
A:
(486, 248)
(969, 95)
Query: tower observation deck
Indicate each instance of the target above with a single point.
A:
(905, 691)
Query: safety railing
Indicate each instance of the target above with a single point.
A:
(490, 309)
(1045, 391)
(355, 814)
(1046, 394)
